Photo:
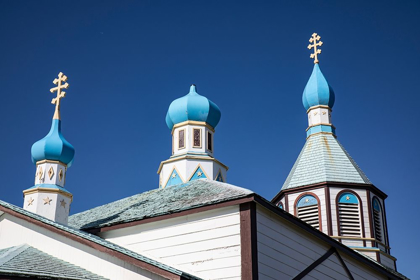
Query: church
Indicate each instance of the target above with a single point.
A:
(327, 222)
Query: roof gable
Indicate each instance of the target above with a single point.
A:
(324, 159)
(158, 202)
(97, 243)
(27, 261)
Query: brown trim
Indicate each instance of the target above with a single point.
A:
(315, 264)
(362, 224)
(286, 202)
(386, 229)
(328, 210)
(169, 216)
(96, 246)
(344, 265)
(249, 250)
(371, 187)
(372, 243)
(321, 236)
(319, 206)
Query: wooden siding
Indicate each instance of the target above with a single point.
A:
(14, 232)
(331, 268)
(359, 271)
(285, 250)
(206, 244)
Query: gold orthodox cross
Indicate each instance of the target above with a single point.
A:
(60, 94)
(314, 39)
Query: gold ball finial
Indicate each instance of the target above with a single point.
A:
(315, 37)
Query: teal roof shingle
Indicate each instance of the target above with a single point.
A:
(26, 261)
(324, 159)
(158, 202)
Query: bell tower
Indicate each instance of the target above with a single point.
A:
(326, 188)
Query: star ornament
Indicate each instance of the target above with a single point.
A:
(47, 200)
(199, 173)
(30, 201)
(347, 197)
(173, 175)
(63, 203)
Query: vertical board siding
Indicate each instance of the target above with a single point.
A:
(206, 244)
(14, 232)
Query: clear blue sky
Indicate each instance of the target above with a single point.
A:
(127, 60)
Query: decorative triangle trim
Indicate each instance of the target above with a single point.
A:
(219, 177)
(199, 173)
(174, 178)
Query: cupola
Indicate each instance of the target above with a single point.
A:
(192, 119)
(52, 155)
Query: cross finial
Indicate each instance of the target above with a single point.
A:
(315, 37)
(60, 94)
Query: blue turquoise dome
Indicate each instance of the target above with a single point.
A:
(193, 107)
(53, 146)
(317, 91)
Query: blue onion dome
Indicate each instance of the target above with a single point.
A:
(53, 146)
(193, 107)
(317, 91)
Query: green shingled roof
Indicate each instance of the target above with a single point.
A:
(26, 261)
(97, 240)
(324, 159)
(158, 202)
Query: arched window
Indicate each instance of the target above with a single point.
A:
(349, 214)
(307, 210)
(377, 220)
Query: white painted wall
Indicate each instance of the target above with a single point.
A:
(42, 175)
(48, 205)
(206, 244)
(319, 115)
(188, 135)
(14, 231)
(284, 250)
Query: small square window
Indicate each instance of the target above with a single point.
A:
(209, 141)
(181, 139)
(196, 138)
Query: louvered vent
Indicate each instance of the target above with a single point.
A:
(309, 214)
(349, 219)
(377, 219)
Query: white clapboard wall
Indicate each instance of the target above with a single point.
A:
(14, 232)
(206, 244)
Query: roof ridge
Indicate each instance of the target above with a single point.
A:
(12, 253)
